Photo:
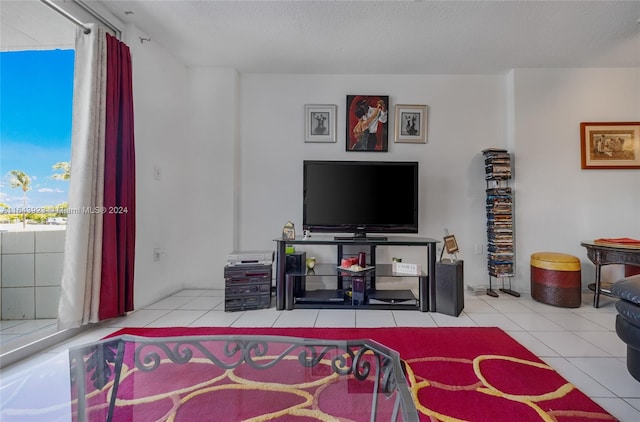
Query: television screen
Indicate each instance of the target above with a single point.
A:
(360, 197)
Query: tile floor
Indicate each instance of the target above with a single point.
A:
(16, 333)
(579, 343)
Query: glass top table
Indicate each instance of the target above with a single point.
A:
(215, 378)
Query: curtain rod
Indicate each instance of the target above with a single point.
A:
(67, 15)
(97, 16)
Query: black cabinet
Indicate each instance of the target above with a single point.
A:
(449, 287)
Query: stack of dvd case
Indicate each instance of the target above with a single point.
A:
(497, 164)
(499, 208)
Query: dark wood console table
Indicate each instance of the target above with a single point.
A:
(601, 254)
(426, 282)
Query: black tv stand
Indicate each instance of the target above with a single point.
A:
(359, 236)
(291, 294)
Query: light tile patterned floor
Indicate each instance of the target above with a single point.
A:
(579, 343)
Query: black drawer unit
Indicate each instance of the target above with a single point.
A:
(247, 287)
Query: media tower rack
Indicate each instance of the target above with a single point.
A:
(500, 229)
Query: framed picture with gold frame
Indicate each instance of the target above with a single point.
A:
(610, 145)
(450, 244)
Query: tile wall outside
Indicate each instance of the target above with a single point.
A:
(30, 274)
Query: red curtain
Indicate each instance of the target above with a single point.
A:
(118, 243)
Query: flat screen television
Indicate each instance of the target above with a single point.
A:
(360, 197)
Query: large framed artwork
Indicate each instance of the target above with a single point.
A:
(367, 127)
(610, 145)
(320, 122)
(411, 124)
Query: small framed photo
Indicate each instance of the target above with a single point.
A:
(411, 124)
(320, 122)
(450, 244)
(289, 231)
(610, 145)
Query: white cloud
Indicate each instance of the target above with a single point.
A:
(14, 201)
(49, 190)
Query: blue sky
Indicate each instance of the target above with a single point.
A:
(36, 98)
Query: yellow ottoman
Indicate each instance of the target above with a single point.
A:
(556, 279)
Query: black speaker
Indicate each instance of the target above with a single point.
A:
(297, 262)
(449, 287)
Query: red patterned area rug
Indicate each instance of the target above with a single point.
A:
(455, 374)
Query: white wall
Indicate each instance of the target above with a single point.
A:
(466, 115)
(534, 113)
(160, 89)
(230, 148)
(557, 203)
(208, 184)
(187, 130)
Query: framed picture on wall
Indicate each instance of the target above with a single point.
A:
(610, 145)
(367, 123)
(320, 122)
(411, 124)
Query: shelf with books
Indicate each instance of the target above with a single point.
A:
(499, 209)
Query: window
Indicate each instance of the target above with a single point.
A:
(35, 109)
(36, 99)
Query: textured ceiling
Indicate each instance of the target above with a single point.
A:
(30, 25)
(391, 37)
